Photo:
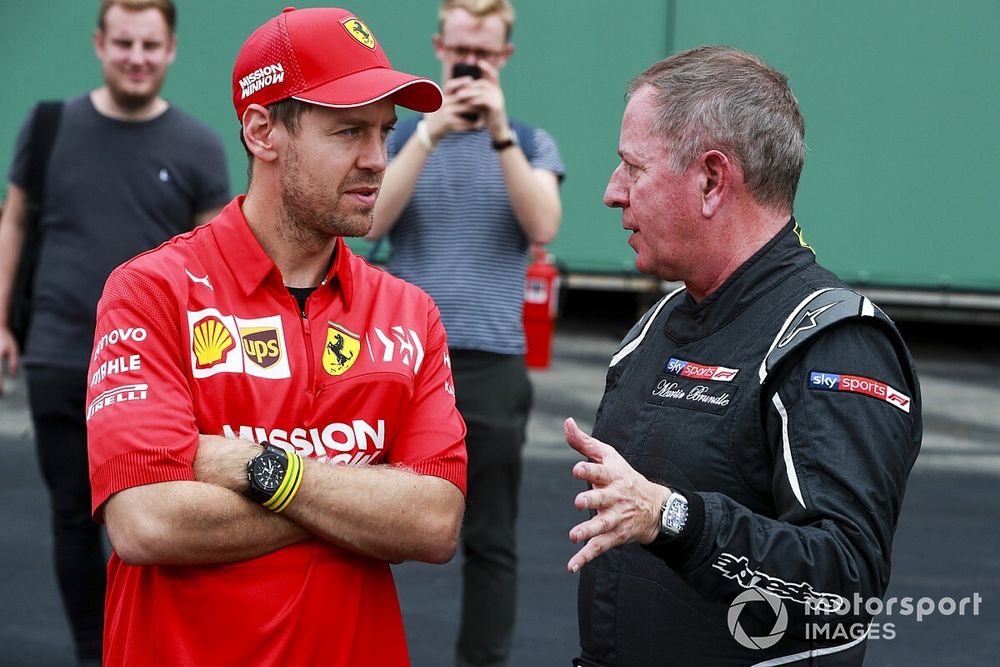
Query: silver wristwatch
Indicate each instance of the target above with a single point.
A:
(673, 514)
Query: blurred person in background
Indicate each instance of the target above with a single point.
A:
(127, 170)
(468, 189)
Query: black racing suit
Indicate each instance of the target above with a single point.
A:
(788, 414)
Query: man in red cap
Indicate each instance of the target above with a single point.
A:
(272, 421)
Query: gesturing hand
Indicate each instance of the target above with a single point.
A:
(627, 504)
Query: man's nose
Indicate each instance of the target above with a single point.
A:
(616, 195)
(373, 156)
(136, 54)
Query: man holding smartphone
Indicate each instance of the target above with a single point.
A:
(466, 193)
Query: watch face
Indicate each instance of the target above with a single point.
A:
(268, 471)
(674, 515)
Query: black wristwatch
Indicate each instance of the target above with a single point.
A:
(500, 146)
(266, 472)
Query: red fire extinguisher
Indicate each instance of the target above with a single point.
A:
(541, 301)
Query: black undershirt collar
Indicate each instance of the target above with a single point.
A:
(301, 294)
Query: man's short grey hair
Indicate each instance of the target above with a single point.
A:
(717, 97)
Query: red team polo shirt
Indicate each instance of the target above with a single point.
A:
(201, 336)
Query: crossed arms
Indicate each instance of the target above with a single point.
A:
(380, 511)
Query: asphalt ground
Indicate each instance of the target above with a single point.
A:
(946, 546)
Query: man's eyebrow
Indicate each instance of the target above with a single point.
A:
(361, 121)
(628, 156)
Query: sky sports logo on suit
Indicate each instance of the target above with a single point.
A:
(690, 369)
(858, 384)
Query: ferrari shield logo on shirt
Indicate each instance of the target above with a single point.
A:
(359, 31)
(341, 350)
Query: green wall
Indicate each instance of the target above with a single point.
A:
(902, 104)
(900, 98)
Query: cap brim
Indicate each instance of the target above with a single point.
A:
(372, 85)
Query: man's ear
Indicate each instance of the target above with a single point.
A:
(260, 133)
(99, 43)
(506, 53)
(438, 46)
(717, 173)
(171, 48)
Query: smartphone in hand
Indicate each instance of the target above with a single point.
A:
(467, 69)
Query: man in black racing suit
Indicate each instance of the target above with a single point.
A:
(762, 422)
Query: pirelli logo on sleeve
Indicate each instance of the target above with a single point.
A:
(120, 394)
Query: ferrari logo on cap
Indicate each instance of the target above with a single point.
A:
(359, 31)
(341, 351)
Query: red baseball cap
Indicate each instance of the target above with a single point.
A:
(324, 56)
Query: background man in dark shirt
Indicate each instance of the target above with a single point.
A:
(127, 171)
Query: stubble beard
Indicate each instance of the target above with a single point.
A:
(134, 101)
(308, 219)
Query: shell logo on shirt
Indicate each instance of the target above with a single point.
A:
(341, 350)
(214, 349)
(210, 341)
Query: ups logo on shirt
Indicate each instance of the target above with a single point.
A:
(261, 345)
